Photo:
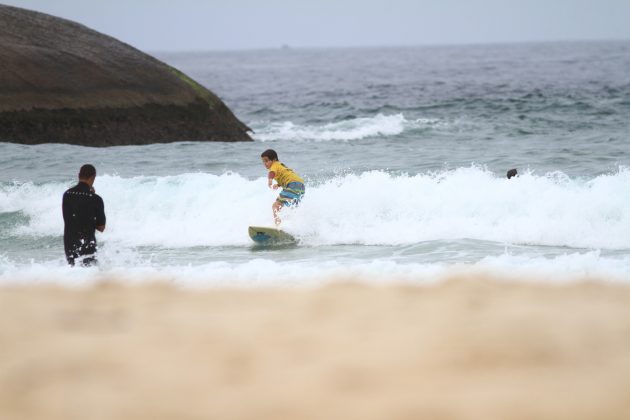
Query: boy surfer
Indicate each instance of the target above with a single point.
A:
(292, 184)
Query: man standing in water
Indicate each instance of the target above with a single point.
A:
(83, 214)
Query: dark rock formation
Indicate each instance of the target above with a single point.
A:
(61, 82)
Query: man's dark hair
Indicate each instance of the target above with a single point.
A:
(270, 154)
(87, 171)
(512, 173)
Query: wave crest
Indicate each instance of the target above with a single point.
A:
(351, 129)
(371, 208)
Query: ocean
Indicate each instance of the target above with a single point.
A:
(404, 152)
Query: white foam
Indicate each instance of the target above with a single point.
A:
(371, 208)
(351, 129)
(262, 272)
(378, 208)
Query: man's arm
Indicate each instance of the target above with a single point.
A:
(64, 209)
(100, 215)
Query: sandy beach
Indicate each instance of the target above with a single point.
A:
(466, 348)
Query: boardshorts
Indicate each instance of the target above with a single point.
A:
(291, 194)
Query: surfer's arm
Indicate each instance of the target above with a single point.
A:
(270, 178)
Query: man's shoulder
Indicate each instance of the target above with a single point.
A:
(80, 192)
(69, 193)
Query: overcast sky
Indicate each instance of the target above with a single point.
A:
(171, 25)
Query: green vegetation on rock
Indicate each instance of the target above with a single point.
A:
(204, 93)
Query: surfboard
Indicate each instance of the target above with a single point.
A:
(270, 236)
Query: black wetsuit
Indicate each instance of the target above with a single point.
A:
(83, 211)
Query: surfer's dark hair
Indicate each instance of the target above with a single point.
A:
(270, 154)
(87, 171)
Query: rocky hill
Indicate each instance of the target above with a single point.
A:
(61, 82)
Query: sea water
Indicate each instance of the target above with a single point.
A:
(404, 152)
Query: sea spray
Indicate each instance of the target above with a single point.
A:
(369, 208)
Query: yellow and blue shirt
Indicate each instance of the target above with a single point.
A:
(291, 183)
(284, 176)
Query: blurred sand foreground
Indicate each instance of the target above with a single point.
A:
(462, 349)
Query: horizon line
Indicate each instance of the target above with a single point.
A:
(288, 47)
